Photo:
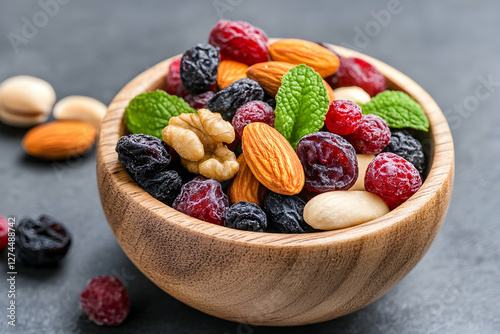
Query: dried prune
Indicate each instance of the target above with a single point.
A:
(199, 67)
(246, 216)
(329, 162)
(228, 100)
(41, 242)
(406, 146)
(285, 213)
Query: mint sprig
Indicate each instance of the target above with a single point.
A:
(398, 109)
(149, 113)
(301, 104)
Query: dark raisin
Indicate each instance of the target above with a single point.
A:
(270, 100)
(164, 185)
(246, 216)
(41, 242)
(329, 162)
(285, 213)
(228, 100)
(199, 67)
(406, 146)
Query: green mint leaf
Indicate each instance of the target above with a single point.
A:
(398, 109)
(150, 112)
(301, 104)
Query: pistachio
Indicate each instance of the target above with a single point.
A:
(363, 162)
(80, 108)
(352, 93)
(25, 101)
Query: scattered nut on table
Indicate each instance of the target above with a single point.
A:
(199, 140)
(352, 93)
(363, 162)
(339, 209)
(25, 101)
(80, 108)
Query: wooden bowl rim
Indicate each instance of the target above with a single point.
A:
(440, 169)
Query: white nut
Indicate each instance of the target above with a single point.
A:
(352, 93)
(80, 108)
(339, 209)
(25, 101)
(363, 162)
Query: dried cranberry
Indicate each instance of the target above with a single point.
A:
(239, 41)
(41, 242)
(246, 216)
(199, 101)
(199, 68)
(174, 83)
(329, 162)
(392, 178)
(343, 117)
(4, 232)
(203, 199)
(358, 72)
(253, 111)
(105, 300)
(371, 136)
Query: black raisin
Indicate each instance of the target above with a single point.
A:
(285, 213)
(246, 216)
(228, 100)
(198, 68)
(41, 242)
(271, 101)
(164, 185)
(406, 146)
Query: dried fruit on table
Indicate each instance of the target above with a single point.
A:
(198, 139)
(406, 146)
(343, 117)
(285, 213)
(41, 242)
(301, 104)
(329, 162)
(298, 51)
(105, 300)
(149, 113)
(203, 199)
(360, 73)
(371, 136)
(228, 100)
(59, 140)
(239, 41)
(392, 178)
(229, 72)
(246, 216)
(398, 109)
(198, 67)
(253, 111)
(272, 160)
(245, 186)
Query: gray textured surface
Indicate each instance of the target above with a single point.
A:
(93, 48)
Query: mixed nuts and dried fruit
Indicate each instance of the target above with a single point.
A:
(279, 137)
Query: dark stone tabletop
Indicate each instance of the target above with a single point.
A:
(93, 48)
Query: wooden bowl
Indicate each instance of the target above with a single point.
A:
(267, 278)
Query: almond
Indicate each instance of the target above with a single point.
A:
(298, 51)
(272, 159)
(245, 186)
(59, 140)
(230, 71)
(269, 74)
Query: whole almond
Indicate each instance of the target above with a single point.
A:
(269, 74)
(272, 159)
(298, 51)
(245, 186)
(59, 140)
(230, 71)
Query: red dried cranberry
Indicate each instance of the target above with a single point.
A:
(371, 136)
(392, 178)
(253, 111)
(358, 72)
(4, 232)
(105, 300)
(203, 199)
(343, 117)
(199, 101)
(239, 41)
(329, 162)
(174, 83)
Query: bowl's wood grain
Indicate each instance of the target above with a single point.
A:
(267, 278)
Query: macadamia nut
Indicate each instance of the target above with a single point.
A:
(352, 93)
